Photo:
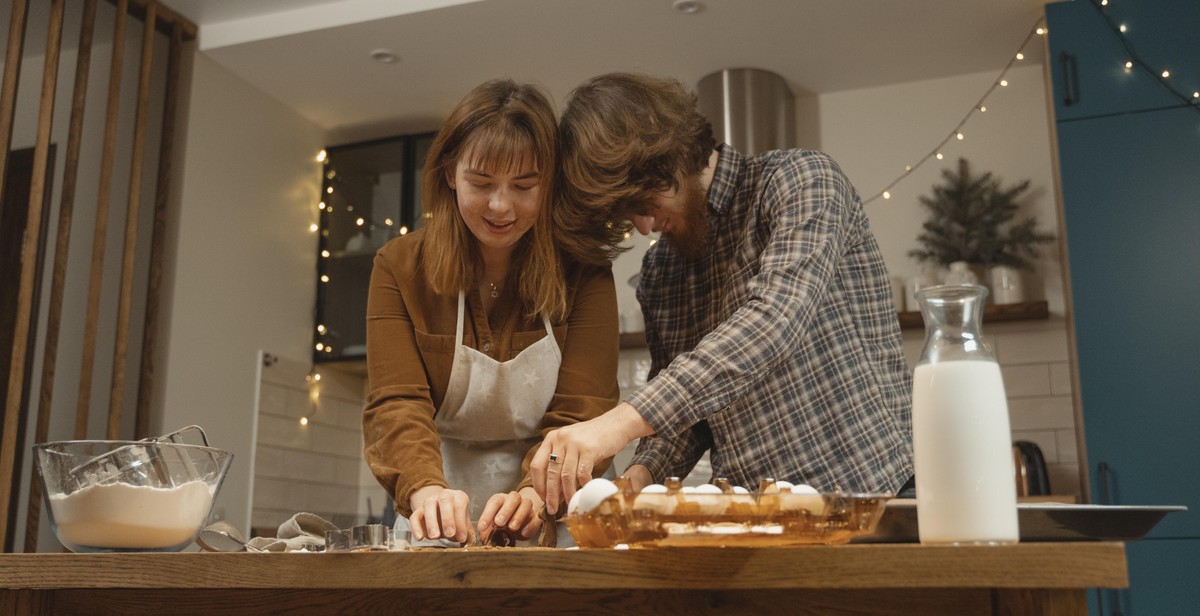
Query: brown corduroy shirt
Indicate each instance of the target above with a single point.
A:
(410, 351)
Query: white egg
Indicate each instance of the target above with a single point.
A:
(654, 498)
(803, 497)
(591, 495)
(741, 496)
(710, 498)
(782, 485)
(573, 506)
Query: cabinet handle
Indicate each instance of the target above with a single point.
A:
(1102, 477)
(1070, 79)
(1114, 600)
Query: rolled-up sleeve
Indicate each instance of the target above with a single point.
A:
(401, 442)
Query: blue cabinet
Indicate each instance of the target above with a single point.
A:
(1132, 203)
(1089, 61)
(1129, 157)
(1154, 565)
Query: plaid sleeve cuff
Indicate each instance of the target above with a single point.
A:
(653, 455)
(665, 405)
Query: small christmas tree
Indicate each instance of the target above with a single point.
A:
(971, 219)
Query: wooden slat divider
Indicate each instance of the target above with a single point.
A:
(162, 188)
(16, 371)
(12, 78)
(37, 193)
(167, 18)
(125, 298)
(66, 209)
(88, 355)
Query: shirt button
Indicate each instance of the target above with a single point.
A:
(487, 347)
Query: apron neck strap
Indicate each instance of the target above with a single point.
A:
(458, 330)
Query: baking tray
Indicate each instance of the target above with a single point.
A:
(1039, 522)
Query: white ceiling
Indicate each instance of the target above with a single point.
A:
(314, 54)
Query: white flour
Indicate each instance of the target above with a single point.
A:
(124, 516)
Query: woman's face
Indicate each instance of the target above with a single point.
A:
(499, 206)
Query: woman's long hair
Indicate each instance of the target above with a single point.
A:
(496, 126)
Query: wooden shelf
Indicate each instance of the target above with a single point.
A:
(992, 313)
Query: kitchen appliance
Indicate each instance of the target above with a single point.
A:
(750, 109)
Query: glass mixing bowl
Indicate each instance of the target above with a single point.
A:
(129, 496)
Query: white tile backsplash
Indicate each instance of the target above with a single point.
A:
(268, 461)
(1025, 347)
(1026, 380)
(314, 467)
(1046, 440)
(1051, 413)
(1068, 449)
(1060, 378)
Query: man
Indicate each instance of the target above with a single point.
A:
(768, 308)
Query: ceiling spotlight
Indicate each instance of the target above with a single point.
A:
(384, 56)
(687, 6)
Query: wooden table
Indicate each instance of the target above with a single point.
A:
(1027, 578)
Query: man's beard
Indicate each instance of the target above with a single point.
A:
(691, 238)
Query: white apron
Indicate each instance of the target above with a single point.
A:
(491, 413)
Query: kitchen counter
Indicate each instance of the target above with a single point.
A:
(1026, 578)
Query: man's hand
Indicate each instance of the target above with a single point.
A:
(567, 456)
(639, 477)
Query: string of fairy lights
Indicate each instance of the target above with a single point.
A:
(1162, 75)
(957, 134)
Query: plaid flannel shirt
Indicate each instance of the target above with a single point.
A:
(779, 349)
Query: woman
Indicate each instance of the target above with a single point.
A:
(481, 338)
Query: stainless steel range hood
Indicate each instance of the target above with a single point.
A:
(751, 109)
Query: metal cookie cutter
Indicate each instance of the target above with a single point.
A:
(365, 538)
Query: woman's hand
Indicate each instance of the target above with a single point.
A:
(440, 513)
(516, 511)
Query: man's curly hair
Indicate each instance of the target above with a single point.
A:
(623, 137)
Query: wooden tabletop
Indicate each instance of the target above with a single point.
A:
(1072, 565)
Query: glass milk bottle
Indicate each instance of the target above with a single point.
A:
(966, 489)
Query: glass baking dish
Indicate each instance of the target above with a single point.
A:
(768, 517)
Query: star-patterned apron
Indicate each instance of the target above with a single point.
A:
(491, 413)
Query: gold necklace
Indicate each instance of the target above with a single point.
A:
(495, 290)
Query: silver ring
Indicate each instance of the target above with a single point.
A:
(554, 457)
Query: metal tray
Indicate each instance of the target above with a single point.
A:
(1039, 522)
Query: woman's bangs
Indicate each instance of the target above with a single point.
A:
(499, 149)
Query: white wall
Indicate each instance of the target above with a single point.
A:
(241, 278)
(874, 133)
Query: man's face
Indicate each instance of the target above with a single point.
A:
(681, 215)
